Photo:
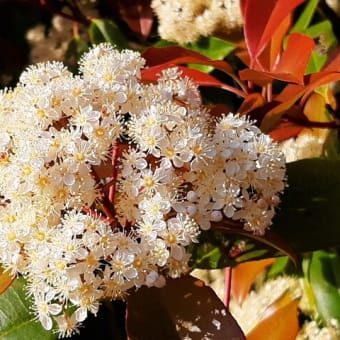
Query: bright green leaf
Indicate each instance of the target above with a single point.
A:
(213, 48)
(16, 320)
(325, 282)
(306, 16)
(323, 33)
(104, 30)
(211, 251)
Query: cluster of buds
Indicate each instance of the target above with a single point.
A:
(105, 180)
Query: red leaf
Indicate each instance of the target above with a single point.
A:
(319, 79)
(333, 62)
(296, 56)
(292, 65)
(261, 20)
(285, 130)
(251, 102)
(184, 308)
(180, 55)
(152, 74)
(244, 275)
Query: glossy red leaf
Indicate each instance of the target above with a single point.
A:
(295, 57)
(151, 74)
(271, 54)
(285, 130)
(180, 55)
(291, 66)
(261, 20)
(184, 309)
(244, 275)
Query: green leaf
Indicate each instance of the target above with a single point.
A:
(213, 48)
(76, 48)
(325, 281)
(323, 33)
(309, 215)
(16, 321)
(211, 251)
(306, 16)
(104, 30)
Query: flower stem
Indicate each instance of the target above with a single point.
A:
(227, 286)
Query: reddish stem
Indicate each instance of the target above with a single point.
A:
(112, 190)
(227, 286)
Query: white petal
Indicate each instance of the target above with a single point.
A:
(81, 314)
(54, 308)
(46, 321)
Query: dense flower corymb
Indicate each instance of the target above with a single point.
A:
(105, 181)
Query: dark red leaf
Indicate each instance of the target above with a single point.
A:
(250, 103)
(138, 15)
(285, 130)
(270, 238)
(333, 62)
(180, 55)
(152, 74)
(261, 20)
(184, 308)
(218, 109)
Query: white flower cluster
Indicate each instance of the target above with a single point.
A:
(105, 180)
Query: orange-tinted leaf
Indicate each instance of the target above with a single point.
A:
(319, 79)
(180, 55)
(280, 321)
(184, 308)
(291, 67)
(314, 108)
(250, 103)
(296, 56)
(269, 57)
(260, 78)
(262, 19)
(244, 275)
(6, 279)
